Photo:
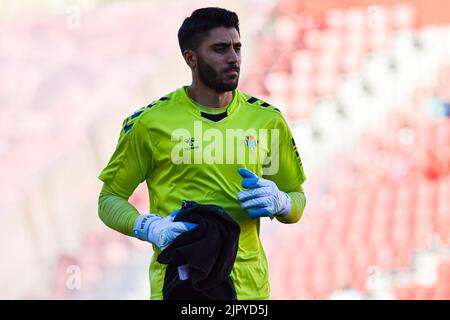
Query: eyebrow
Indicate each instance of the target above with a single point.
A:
(225, 44)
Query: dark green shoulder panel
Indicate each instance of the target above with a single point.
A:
(258, 102)
(127, 124)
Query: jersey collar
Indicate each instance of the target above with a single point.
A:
(201, 108)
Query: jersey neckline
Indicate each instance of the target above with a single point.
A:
(201, 108)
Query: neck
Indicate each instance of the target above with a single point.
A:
(209, 97)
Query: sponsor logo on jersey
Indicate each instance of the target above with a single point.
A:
(191, 144)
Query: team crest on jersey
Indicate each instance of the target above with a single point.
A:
(250, 142)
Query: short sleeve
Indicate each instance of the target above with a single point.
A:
(286, 168)
(131, 161)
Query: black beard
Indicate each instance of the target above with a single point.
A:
(212, 79)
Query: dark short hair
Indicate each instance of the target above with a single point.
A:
(196, 27)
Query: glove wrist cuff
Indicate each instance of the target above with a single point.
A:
(287, 204)
(142, 225)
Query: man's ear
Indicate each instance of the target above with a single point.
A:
(190, 57)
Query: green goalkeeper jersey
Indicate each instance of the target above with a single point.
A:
(183, 154)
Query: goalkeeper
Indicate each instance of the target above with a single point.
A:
(210, 143)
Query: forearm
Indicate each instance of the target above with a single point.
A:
(116, 212)
(298, 205)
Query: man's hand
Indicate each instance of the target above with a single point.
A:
(158, 230)
(262, 196)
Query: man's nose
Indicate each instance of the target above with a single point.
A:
(232, 56)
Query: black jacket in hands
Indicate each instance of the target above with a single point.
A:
(204, 255)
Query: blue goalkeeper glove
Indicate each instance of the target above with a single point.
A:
(158, 230)
(262, 197)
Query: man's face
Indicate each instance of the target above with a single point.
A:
(219, 59)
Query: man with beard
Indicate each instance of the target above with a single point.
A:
(209, 143)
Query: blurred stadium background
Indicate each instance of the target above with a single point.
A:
(365, 86)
